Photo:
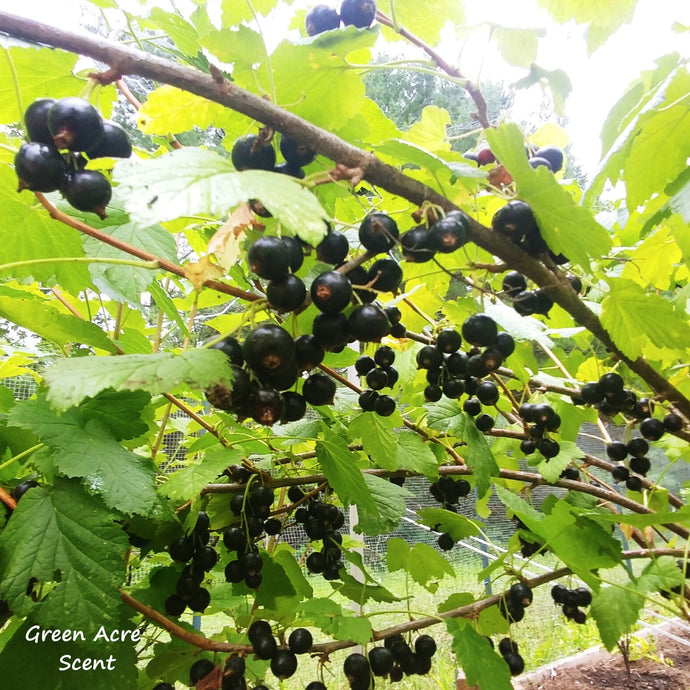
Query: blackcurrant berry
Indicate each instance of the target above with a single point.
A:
(321, 18)
(75, 125)
(39, 167)
(253, 153)
(87, 190)
(359, 13)
(378, 232)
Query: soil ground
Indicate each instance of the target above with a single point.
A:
(664, 666)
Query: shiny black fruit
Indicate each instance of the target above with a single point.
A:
(480, 330)
(286, 293)
(331, 331)
(39, 167)
(369, 322)
(269, 258)
(300, 641)
(321, 18)
(381, 661)
(296, 154)
(378, 232)
(333, 248)
(268, 348)
(266, 406)
(515, 220)
(308, 353)
(23, 487)
(114, 144)
(252, 153)
(36, 121)
(385, 275)
(87, 190)
(359, 13)
(553, 155)
(417, 245)
(319, 389)
(331, 292)
(514, 282)
(75, 125)
(450, 233)
(200, 669)
(284, 664)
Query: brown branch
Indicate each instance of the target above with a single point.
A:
(475, 94)
(7, 499)
(166, 265)
(126, 60)
(325, 648)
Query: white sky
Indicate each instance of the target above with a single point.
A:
(598, 80)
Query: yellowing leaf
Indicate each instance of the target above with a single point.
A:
(168, 109)
(198, 272)
(518, 46)
(430, 132)
(652, 262)
(225, 243)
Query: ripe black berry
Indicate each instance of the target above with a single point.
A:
(300, 641)
(356, 667)
(200, 669)
(252, 153)
(75, 125)
(633, 484)
(378, 232)
(450, 233)
(484, 422)
(417, 245)
(286, 293)
(385, 275)
(333, 248)
(319, 389)
(515, 220)
(321, 18)
(359, 13)
(384, 405)
(638, 447)
(448, 341)
(284, 664)
(553, 155)
(617, 451)
(331, 292)
(673, 422)
(39, 167)
(114, 144)
(515, 663)
(480, 330)
(36, 121)
(87, 190)
(514, 282)
(268, 258)
(652, 429)
(368, 322)
(445, 541)
(429, 357)
(381, 661)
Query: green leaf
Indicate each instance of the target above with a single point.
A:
(276, 591)
(425, 18)
(445, 415)
(421, 561)
(126, 283)
(353, 628)
(616, 611)
(567, 228)
(71, 380)
(660, 574)
(635, 318)
(181, 32)
(237, 12)
(40, 238)
(361, 592)
(84, 447)
(191, 181)
(557, 81)
(390, 506)
(119, 411)
(478, 456)
(55, 79)
(187, 483)
(171, 110)
(64, 531)
(36, 314)
(284, 556)
(518, 46)
(482, 666)
(238, 47)
(305, 74)
(551, 468)
(378, 438)
(413, 454)
(397, 554)
(339, 464)
(660, 149)
(440, 520)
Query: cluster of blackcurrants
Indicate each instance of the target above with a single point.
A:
(543, 420)
(572, 601)
(253, 509)
(72, 126)
(395, 659)
(513, 603)
(265, 646)
(420, 243)
(359, 13)
(264, 367)
(516, 221)
(256, 152)
(321, 522)
(188, 590)
(448, 491)
(527, 302)
(379, 373)
(549, 156)
(509, 651)
(528, 547)
(454, 373)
